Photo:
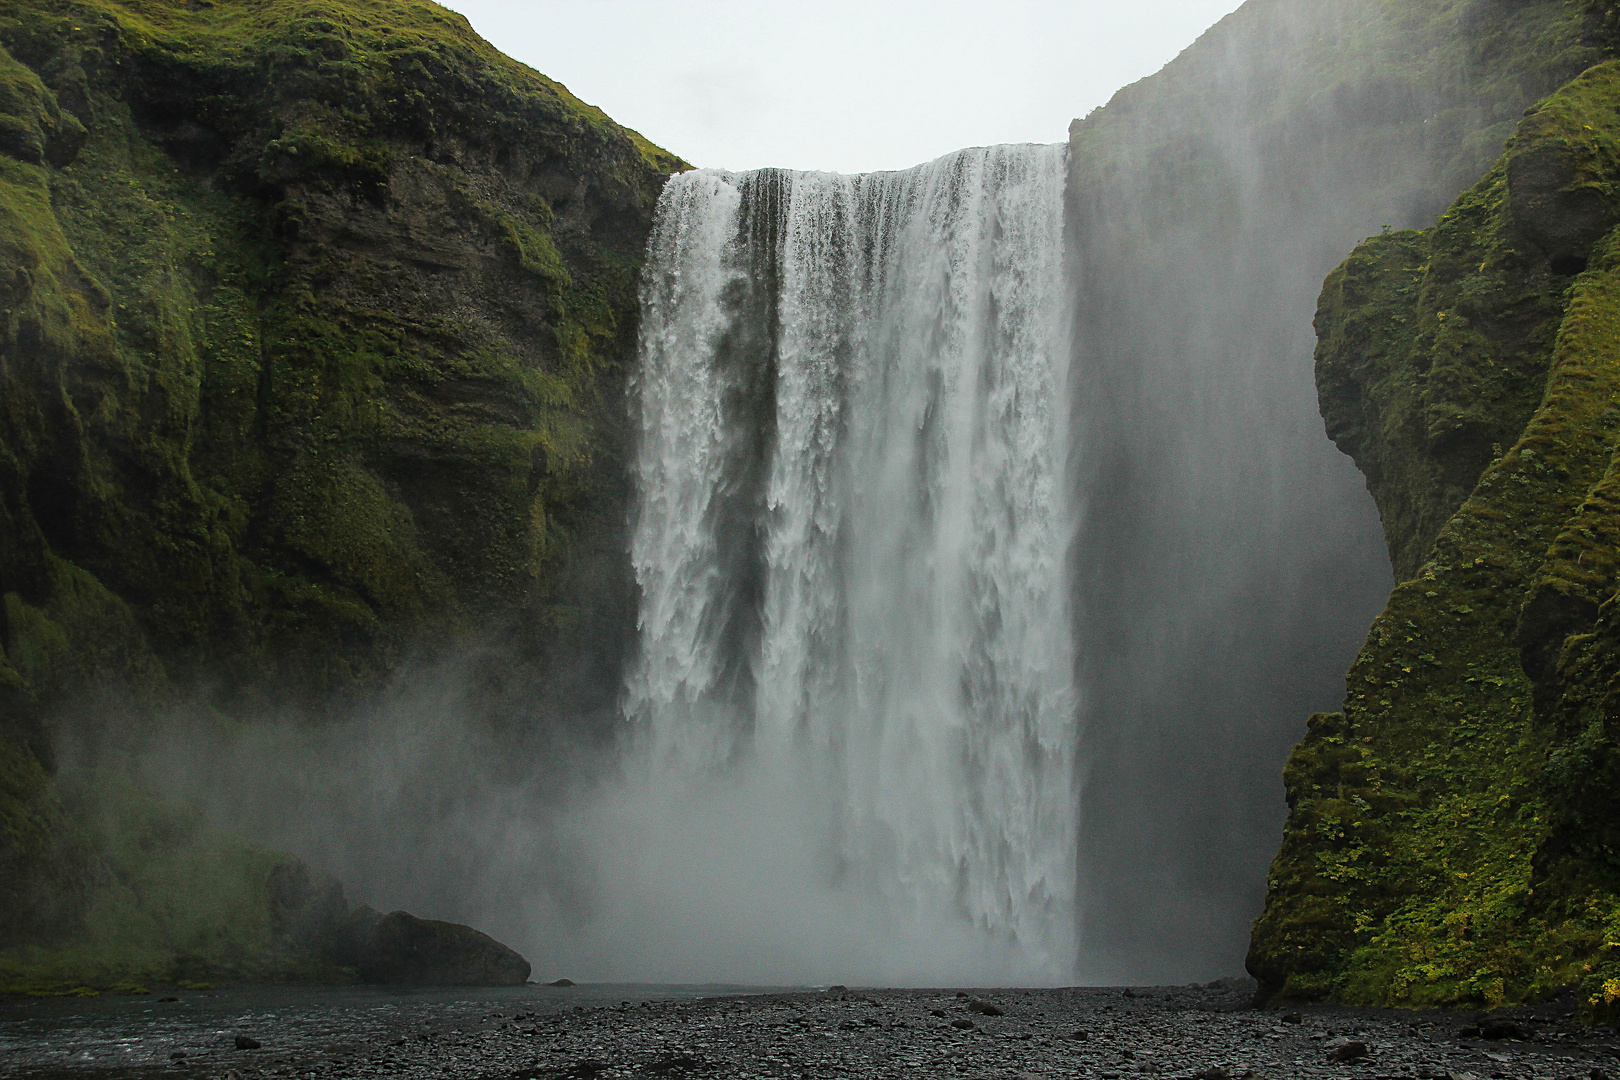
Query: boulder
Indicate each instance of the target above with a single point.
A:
(400, 949)
(1349, 1050)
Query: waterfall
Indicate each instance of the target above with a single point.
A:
(851, 527)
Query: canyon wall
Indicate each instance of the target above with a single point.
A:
(1450, 830)
(317, 317)
(1229, 560)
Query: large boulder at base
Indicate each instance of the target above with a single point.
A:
(400, 949)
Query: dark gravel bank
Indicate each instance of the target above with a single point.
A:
(599, 1033)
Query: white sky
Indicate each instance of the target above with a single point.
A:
(841, 85)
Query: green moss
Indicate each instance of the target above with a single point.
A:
(1420, 862)
(1434, 349)
(315, 327)
(338, 515)
(535, 251)
(41, 860)
(169, 902)
(237, 471)
(32, 126)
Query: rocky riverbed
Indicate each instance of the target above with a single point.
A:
(604, 1032)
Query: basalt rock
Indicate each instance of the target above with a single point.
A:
(400, 949)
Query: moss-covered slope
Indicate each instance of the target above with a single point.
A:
(314, 317)
(1448, 834)
(1227, 561)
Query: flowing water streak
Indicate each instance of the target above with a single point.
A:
(851, 526)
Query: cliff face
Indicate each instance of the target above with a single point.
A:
(1448, 837)
(1229, 560)
(314, 320)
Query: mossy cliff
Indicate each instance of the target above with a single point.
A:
(1450, 837)
(314, 320)
(1228, 561)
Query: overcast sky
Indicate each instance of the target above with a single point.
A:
(833, 84)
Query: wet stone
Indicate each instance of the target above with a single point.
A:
(1350, 1050)
(539, 1033)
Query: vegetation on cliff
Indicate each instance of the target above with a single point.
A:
(1227, 565)
(314, 320)
(1448, 835)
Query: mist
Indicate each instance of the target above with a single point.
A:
(844, 749)
(1230, 558)
(597, 862)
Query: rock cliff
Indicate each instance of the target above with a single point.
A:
(1229, 561)
(314, 320)
(1449, 832)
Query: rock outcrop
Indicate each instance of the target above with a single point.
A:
(401, 950)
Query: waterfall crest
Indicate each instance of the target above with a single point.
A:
(851, 525)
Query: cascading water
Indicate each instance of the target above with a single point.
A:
(852, 528)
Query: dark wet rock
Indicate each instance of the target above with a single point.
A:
(938, 1012)
(1550, 192)
(962, 1022)
(1213, 1073)
(402, 950)
(1349, 1050)
(247, 1042)
(166, 1000)
(985, 1008)
(1292, 1018)
(1495, 1030)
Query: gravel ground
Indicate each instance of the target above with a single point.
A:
(1203, 1032)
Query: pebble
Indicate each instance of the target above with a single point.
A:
(1207, 1033)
